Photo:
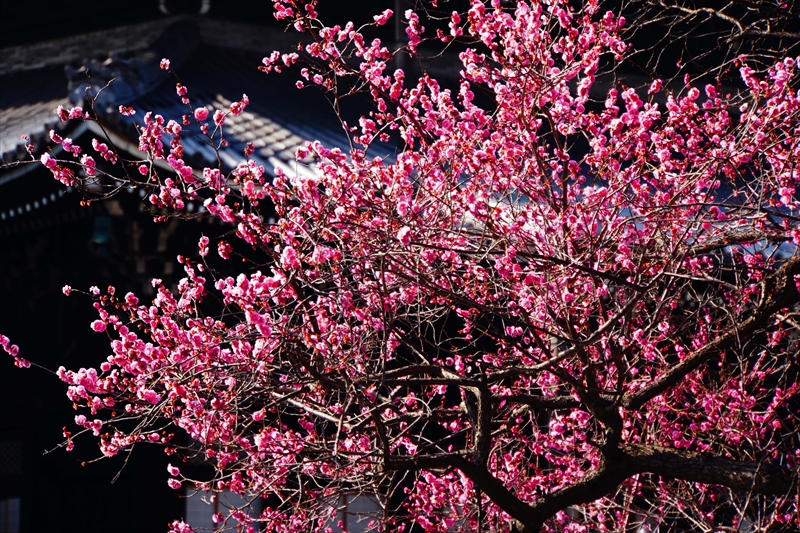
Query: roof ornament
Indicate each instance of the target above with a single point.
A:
(118, 78)
(168, 7)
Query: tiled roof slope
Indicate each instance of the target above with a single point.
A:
(218, 61)
(33, 80)
(279, 119)
(27, 101)
(60, 52)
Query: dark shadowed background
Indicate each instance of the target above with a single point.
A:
(47, 240)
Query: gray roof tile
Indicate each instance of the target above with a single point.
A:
(278, 120)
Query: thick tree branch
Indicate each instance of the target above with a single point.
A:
(779, 292)
(761, 478)
(483, 425)
(734, 239)
(632, 459)
(706, 11)
(593, 486)
(542, 402)
(480, 476)
(499, 494)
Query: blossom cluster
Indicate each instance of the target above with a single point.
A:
(512, 294)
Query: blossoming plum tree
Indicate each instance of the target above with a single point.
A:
(553, 314)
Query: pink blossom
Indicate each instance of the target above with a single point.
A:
(224, 249)
(219, 117)
(21, 362)
(149, 396)
(201, 114)
(89, 165)
(655, 87)
(76, 112)
(527, 253)
(164, 64)
(203, 245)
(173, 128)
(95, 426)
(68, 146)
(48, 161)
(103, 150)
(213, 177)
(404, 235)
(237, 107)
(383, 18)
(180, 527)
(289, 259)
(514, 331)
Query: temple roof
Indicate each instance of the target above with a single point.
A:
(216, 60)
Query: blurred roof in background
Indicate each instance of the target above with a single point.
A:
(217, 59)
(27, 22)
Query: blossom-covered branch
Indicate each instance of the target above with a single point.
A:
(544, 313)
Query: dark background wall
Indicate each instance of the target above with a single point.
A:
(49, 247)
(59, 493)
(28, 22)
(55, 245)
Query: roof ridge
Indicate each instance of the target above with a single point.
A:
(73, 48)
